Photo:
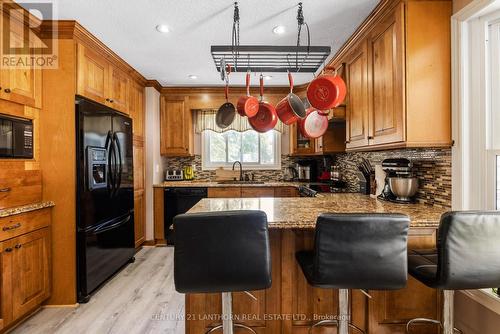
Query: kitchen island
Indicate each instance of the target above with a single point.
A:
(291, 305)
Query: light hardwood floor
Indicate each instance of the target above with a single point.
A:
(140, 299)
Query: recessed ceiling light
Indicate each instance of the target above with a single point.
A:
(267, 77)
(163, 28)
(279, 30)
(192, 76)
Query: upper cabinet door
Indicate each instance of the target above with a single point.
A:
(176, 126)
(386, 77)
(119, 89)
(92, 75)
(357, 97)
(21, 84)
(136, 109)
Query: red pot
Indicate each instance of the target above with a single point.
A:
(247, 105)
(266, 117)
(314, 125)
(290, 109)
(326, 91)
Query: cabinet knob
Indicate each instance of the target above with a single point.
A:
(5, 190)
(111, 100)
(107, 100)
(8, 250)
(347, 142)
(7, 90)
(18, 246)
(370, 137)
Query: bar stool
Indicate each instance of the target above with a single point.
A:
(356, 251)
(467, 257)
(222, 252)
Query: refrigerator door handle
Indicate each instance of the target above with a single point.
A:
(120, 165)
(105, 227)
(109, 150)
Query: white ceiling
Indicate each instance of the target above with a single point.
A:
(128, 28)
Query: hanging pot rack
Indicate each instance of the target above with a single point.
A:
(269, 58)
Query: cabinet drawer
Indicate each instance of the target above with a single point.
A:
(257, 192)
(229, 192)
(286, 192)
(16, 225)
(20, 187)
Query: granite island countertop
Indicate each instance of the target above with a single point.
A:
(25, 208)
(302, 212)
(215, 184)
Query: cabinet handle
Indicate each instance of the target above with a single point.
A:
(5, 190)
(8, 250)
(18, 246)
(7, 90)
(13, 227)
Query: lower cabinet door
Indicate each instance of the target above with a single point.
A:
(30, 271)
(139, 228)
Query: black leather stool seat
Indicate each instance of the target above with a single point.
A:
(467, 254)
(358, 251)
(422, 264)
(222, 252)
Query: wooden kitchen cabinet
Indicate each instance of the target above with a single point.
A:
(333, 141)
(357, 97)
(25, 261)
(92, 74)
(101, 81)
(386, 80)
(136, 108)
(176, 126)
(118, 89)
(139, 218)
(23, 84)
(396, 60)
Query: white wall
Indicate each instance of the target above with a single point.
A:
(153, 166)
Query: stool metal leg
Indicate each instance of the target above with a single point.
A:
(448, 311)
(343, 321)
(344, 317)
(227, 313)
(227, 317)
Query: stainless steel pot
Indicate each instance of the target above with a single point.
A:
(404, 188)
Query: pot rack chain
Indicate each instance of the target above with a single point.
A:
(269, 58)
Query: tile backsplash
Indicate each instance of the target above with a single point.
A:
(432, 167)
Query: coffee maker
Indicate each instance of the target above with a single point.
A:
(400, 183)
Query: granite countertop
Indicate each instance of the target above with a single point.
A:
(25, 208)
(302, 212)
(225, 185)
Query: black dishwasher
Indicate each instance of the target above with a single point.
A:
(179, 200)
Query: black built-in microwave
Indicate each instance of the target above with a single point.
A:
(16, 137)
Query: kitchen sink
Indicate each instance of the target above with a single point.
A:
(239, 182)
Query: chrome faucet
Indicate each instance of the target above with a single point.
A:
(241, 169)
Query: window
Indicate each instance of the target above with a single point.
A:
(254, 150)
(493, 117)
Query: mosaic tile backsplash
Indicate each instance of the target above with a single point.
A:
(432, 167)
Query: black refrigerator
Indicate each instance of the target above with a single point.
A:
(105, 194)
